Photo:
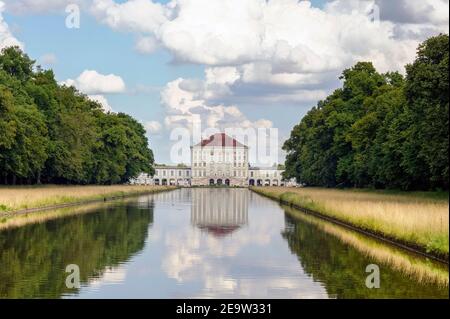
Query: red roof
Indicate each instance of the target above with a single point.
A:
(220, 231)
(220, 139)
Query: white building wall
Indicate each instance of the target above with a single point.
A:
(216, 165)
(219, 164)
(166, 175)
(265, 177)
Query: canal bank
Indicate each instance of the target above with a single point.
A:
(15, 201)
(366, 221)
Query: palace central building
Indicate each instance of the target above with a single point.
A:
(218, 160)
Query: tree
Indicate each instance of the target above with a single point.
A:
(379, 130)
(55, 134)
(427, 93)
(24, 139)
(17, 64)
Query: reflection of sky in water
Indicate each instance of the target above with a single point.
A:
(210, 243)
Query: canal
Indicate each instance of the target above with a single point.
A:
(202, 243)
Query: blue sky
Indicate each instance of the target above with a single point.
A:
(97, 47)
(241, 90)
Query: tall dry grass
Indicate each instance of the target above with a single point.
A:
(419, 269)
(18, 198)
(417, 219)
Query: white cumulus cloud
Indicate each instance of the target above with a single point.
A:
(132, 15)
(290, 35)
(273, 51)
(92, 82)
(411, 19)
(146, 45)
(185, 104)
(7, 39)
(102, 101)
(153, 127)
(40, 6)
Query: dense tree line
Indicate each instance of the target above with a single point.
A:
(34, 257)
(379, 130)
(54, 134)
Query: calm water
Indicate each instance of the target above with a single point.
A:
(225, 243)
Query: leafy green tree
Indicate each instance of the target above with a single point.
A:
(379, 130)
(55, 134)
(17, 64)
(122, 152)
(427, 92)
(23, 146)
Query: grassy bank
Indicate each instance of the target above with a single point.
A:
(417, 219)
(22, 198)
(420, 269)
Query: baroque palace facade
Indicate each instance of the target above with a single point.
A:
(218, 160)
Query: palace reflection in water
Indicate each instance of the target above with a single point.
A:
(219, 212)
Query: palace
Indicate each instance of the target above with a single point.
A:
(218, 160)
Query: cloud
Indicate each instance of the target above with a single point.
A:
(289, 48)
(6, 37)
(153, 127)
(48, 59)
(142, 16)
(410, 21)
(40, 6)
(186, 102)
(102, 101)
(238, 32)
(146, 45)
(92, 82)
(270, 52)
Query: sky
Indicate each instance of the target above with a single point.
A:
(251, 64)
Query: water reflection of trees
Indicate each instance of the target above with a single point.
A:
(219, 211)
(33, 258)
(341, 267)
